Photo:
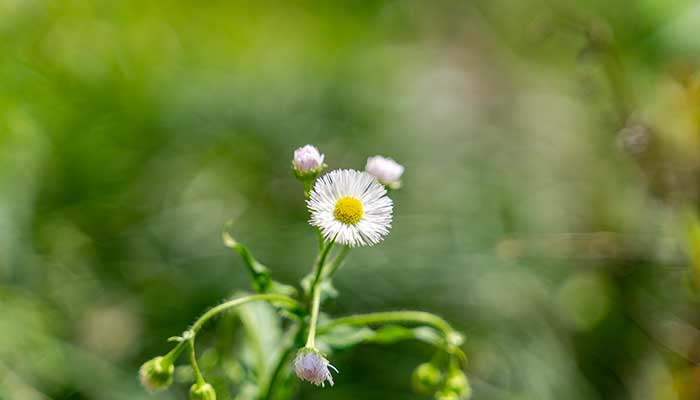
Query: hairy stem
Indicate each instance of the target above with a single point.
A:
(175, 352)
(238, 302)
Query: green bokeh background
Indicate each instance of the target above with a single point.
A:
(131, 131)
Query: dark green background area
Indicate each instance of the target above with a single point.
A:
(132, 131)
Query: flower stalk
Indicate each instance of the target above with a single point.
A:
(199, 379)
(272, 298)
(316, 295)
(452, 338)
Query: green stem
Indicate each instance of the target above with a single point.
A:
(319, 235)
(316, 304)
(414, 317)
(175, 352)
(237, 302)
(318, 267)
(336, 262)
(199, 379)
(316, 294)
(452, 338)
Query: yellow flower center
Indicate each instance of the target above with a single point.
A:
(348, 210)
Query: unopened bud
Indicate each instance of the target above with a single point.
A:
(202, 392)
(307, 161)
(426, 378)
(387, 171)
(445, 394)
(156, 374)
(310, 365)
(457, 383)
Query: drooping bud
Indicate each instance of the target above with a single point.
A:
(307, 161)
(310, 365)
(387, 171)
(202, 392)
(156, 374)
(426, 378)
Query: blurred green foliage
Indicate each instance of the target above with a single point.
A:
(549, 207)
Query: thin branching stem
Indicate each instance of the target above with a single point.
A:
(415, 317)
(238, 302)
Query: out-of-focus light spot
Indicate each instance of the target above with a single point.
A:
(584, 300)
(110, 331)
(86, 50)
(633, 139)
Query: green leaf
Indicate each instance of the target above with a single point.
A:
(281, 288)
(259, 273)
(262, 335)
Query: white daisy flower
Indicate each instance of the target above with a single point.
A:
(307, 159)
(351, 207)
(311, 366)
(386, 170)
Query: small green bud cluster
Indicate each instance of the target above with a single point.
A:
(456, 387)
(427, 378)
(156, 374)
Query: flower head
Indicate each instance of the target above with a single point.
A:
(156, 374)
(307, 160)
(350, 207)
(386, 170)
(310, 365)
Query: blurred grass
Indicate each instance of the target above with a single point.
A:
(130, 132)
